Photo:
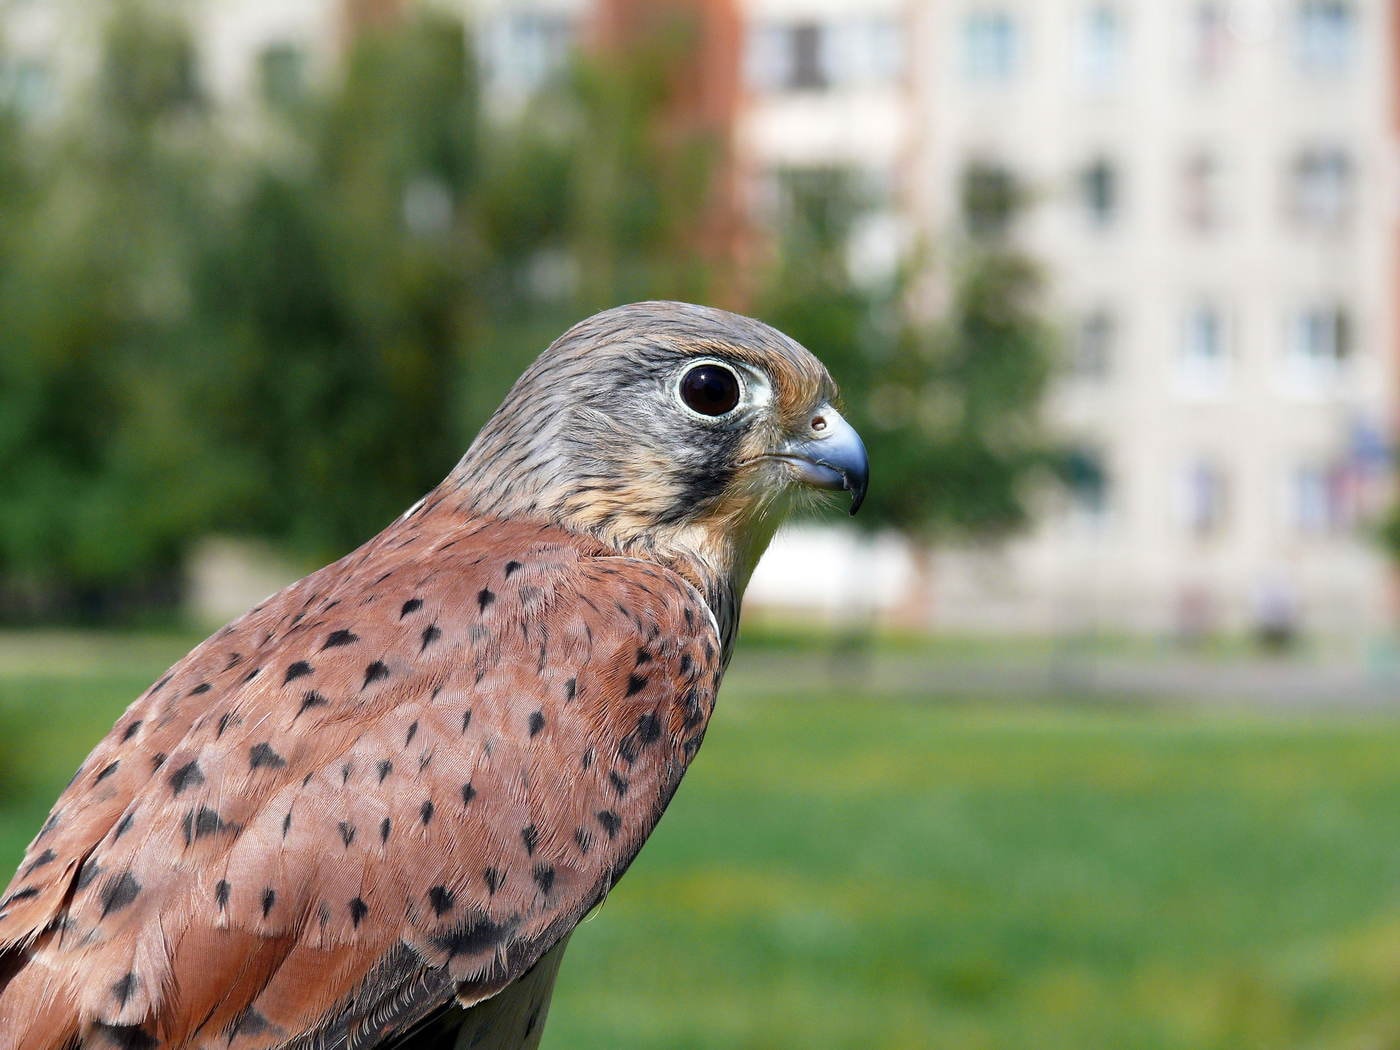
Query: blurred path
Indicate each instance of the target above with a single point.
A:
(1298, 683)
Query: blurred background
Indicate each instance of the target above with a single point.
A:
(1084, 734)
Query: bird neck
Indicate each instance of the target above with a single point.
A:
(716, 552)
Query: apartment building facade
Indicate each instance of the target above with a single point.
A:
(1211, 190)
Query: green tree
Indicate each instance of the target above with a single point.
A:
(949, 408)
(344, 286)
(105, 475)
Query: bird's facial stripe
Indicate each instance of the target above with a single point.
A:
(755, 389)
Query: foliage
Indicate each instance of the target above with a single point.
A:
(106, 473)
(340, 291)
(948, 408)
(292, 334)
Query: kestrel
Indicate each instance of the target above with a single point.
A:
(370, 811)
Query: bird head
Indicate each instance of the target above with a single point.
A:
(667, 428)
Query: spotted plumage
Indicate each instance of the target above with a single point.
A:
(370, 811)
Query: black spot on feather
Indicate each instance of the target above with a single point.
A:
(20, 895)
(123, 989)
(300, 669)
(269, 898)
(311, 699)
(440, 897)
(221, 889)
(430, 635)
(410, 606)
(188, 775)
(132, 730)
(339, 638)
(544, 877)
(119, 892)
(473, 937)
(358, 910)
(198, 824)
(261, 755)
(250, 1022)
(611, 822)
(635, 684)
(107, 771)
(536, 722)
(483, 599)
(375, 672)
(530, 835)
(347, 832)
(125, 1036)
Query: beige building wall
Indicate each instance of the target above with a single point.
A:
(1238, 482)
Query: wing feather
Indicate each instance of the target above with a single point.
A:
(395, 785)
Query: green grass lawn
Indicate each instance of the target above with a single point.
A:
(839, 873)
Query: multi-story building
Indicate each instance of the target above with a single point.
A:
(1211, 193)
(1208, 186)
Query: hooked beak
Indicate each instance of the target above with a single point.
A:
(833, 457)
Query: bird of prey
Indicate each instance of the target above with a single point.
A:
(370, 811)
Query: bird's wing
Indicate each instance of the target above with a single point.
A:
(401, 780)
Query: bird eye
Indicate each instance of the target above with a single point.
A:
(710, 389)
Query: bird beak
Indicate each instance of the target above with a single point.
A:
(833, 457)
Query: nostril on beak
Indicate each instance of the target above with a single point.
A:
(819, 423)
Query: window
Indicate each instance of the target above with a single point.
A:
(1320, 497)
(1092, 356)
(1319, 348)
(1203, 366)
(866, 52)
(1325, 36)
(1208, 40)
(989, 199)
(1203, 192)
(809, 59)
(1321, 191)
(789, 56)
(1087, 483)
(1202, 498)
(524, 49)
(991, 46)
(28, 86)
(1099, 193)
(1100, 47)
(282, 75)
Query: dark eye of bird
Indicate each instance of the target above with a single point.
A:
(710, 389)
